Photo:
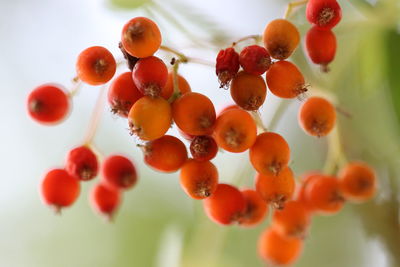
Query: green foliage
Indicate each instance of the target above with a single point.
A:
(128, 4)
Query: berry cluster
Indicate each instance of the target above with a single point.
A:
(320, 40)
(152, 98)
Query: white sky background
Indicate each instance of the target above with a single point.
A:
(39, 42)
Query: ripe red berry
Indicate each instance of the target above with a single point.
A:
(82, 163)
(95, 65)
(321, 46)
(105, 200)
(324, 195)
(227, 65)
(48, 104)
(203, 147)
(199, 179)
(165, 154)
(122, 94)
(119, 172)
(141, 37)
(270, 153)
(226, 205)
(277, 249)
(358, 181)
(59, 189)
(285, 80)
(323, 13)
(255, 59)
(150, 75)
(256, 209)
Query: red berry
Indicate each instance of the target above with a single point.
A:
(119, 172)
(323, 13)
(255, 59)
(226, 205)
(227, 65)
(321, 46)
(105, 200)
(59, 189)
(256, 209)
(95, 65)
(150, 75)
(48, 104)
(203, 148)
(82, 163)
(122, 94)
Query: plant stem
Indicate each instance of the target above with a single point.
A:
(279, 112)
(77, 84)
(291, 5)
(255, 37)
(95, 118)
(257, 118)
(335, 157)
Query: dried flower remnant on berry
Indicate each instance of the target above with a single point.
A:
(227, 66)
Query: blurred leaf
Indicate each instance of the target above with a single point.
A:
(393, 67)
(128, 4)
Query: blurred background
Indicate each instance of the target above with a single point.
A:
(157, 224)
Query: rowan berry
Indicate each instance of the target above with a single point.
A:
(256, 209)
(235, 130)
(317, 116)
(150, 118)
(199, 179)
(165, 154)
(276, 189)
(293, 220)
(285, 80)
(168, 90)
(194, 114)
(277, 249)
(203, 148)
(228, 107)
(119, 172)
(323, 13)
(281, 38)
(48, 104)
(82, 163)
(248, 90)
(270, 153)
(122, 94)
(227, 65)
(59, 189)
(95, 65)
(105, 200)
(141, 37)
(324, 195)
(255, 59)
(357, 181)
(226, 205)
(150, 75)
(321, 46)
(306, 179)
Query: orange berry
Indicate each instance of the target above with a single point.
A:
(276, 189)
(357, 181)
(203, 147)
(306, 179)
(293, 220)
(168, 90)
(165, 154)
(285, 80)
(95, 65)
(277, 249)
(194, 114)
(141, 37)
(281, 38)
(226, 205)
(248, 90)
(270, 153)
(228, 107)
(324, 195)
(256, 209)
(235, 130)
(150, 118)
(321, 46)
(199, 179)
(317, 116)
(122, 94)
